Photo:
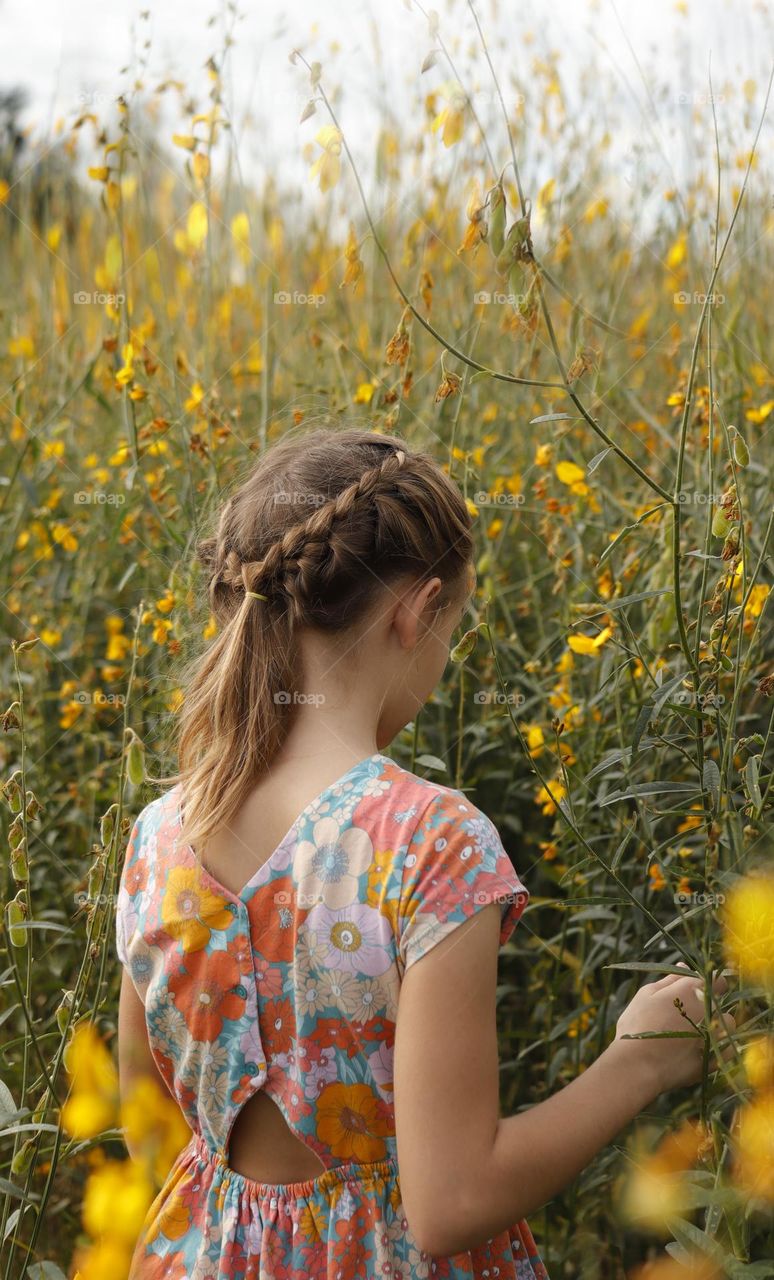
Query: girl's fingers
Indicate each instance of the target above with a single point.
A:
(669, 978)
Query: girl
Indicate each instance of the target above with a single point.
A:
(310, 932)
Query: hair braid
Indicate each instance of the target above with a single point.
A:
(382, 513)
(296, 561)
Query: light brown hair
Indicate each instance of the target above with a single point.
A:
(322, 523)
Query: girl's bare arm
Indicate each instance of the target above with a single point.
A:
(466, 1173)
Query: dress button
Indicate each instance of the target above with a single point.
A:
(273, 1202)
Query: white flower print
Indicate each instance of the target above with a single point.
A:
(365, 999)
(213, 1090)
(375, 786)
(382, 1066)
(320, 1073)
(328, 865)
(340, 988)
(356, 937)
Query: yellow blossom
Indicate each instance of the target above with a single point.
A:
(328, 165)
(573, 476)
(747, 916)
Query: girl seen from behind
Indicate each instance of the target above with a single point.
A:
(310, 932)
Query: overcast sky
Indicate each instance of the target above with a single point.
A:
(74, 54)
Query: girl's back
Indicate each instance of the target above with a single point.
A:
(284, 986)
(275, 901)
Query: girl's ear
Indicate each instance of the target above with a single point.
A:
(414, 611)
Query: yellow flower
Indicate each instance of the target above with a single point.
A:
(365, 393)
(657, 881)
(761, 413)
(70, 712)
(543, 455)
(153, 1125)
(747, 917)
(195, 398)
(93, 1102)
(589, 644)
(161, 630)
(549, 797)
(494, 527)
(451, 119)
(116, 1199)
(757, 599)
(573, 476)
(754, 1154)
(655, 1191)
(62, 535)
(328, 165)
(758, 1058)
(535, 739)
(676, 254)
(196, 225)
(471, 506)
(189, 911)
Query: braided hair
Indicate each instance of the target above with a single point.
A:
(320, 526)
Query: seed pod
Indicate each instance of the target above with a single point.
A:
(16, 832)
(12, 792)
(465, 647)
(15, 915)
(496, 219)
(514, 247)
(10, 719)
(135, 763)
(19, 868)
(741, 452)
(34, 807)
(720, 525)
(107, 825)
(63, 1011)
(21, 1161)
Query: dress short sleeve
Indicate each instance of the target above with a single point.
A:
(455, 865)
(123, 897)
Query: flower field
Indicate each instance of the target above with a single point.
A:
(590, 358)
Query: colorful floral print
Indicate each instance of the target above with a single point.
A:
(292, 987)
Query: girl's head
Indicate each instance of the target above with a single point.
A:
(363, 551)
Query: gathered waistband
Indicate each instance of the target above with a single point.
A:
(351, 1173)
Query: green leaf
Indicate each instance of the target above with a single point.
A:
(554, 417)
(711, 780)
(431, 762)
(751, 773)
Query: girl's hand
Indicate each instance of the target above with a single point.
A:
(675, 1061)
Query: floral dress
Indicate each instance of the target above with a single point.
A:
(292, 986)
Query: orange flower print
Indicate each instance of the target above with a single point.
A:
(272, 919)
(189, 911)
(207, 989)
(351, 1122)
(278, 1027)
